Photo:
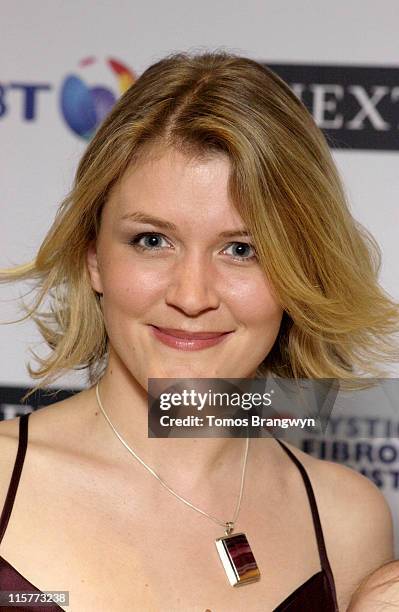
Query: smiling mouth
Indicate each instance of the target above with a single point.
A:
(188, 341)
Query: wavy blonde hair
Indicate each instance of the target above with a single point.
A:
(321, 262)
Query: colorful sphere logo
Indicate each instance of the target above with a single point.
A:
(84, 107)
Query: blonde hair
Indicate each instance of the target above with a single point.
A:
(322, 264)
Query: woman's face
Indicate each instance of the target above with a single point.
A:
(170, 255)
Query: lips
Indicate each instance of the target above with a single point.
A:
(178, 333)
(188, 341)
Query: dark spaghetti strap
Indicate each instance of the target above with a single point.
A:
(315, 514)
(16, 474)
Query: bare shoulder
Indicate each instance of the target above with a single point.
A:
(361, 506)
(356, 521)
(9, 435)
(345, 494)
(50, 428)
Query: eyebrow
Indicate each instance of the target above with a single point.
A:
(167, 225)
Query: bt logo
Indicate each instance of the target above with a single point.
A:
(83, 106)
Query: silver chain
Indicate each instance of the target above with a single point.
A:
(228, 525)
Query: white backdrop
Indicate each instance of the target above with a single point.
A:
(41, 43)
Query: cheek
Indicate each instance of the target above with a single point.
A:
(132, 288)
(255, 303)
(265, 312)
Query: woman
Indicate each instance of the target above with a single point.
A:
(207, 204)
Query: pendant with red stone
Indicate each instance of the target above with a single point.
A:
(237, 557)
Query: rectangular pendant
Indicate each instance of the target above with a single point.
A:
(238, 560)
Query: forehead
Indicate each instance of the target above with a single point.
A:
(171, 184)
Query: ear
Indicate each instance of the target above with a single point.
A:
(93, 267)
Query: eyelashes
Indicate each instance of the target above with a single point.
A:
(243, 245)
(152, 245)
(135, 241)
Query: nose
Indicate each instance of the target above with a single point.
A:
(192, 286)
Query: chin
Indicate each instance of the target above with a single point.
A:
(183, 370)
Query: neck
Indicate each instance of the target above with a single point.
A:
(190, 461)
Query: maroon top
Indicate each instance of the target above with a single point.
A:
(315, 595)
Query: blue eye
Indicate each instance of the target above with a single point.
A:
(241, 249)
(151, 240)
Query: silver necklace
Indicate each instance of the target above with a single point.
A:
(233, 548)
